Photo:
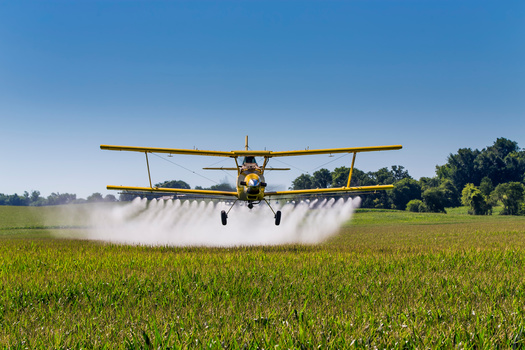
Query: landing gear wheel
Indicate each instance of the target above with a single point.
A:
(224, 217)
(277, 218)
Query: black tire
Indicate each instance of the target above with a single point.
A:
(224, 217)
(277, 218)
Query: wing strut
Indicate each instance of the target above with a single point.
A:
(149, 174)
(351, 170)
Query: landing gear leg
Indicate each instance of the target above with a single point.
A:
(224, 214)
(277, 215)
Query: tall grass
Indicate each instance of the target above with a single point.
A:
(388, 280)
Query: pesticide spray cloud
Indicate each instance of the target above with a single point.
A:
(197, 223)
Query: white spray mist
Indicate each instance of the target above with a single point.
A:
(197, 223)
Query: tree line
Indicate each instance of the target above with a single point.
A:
(34, 199)
(474, 178)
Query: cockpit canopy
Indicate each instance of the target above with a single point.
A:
(249, 160)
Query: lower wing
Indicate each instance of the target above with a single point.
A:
(208, 193)
(340, 190)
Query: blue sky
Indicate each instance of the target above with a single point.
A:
(434, 76)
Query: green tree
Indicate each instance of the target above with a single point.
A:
(127, 196)
(472, 197)
(95, 197)
(502, 162)
(16, 200)
(173, 184)
(428, 182)
(304, 181)
(461, 168)
(60, 198)
(486, 187)
(399, 172)
(35, 196)
(434, 199)
(322, 178)
(451, 193)
(110, 198)
(511, 195)
(223, 187)
(340, 176)
(404, 191)
(415, 205)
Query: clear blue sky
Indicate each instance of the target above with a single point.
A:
(434, 76)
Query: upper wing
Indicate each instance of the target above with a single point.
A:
(168, 150)
(330, 190)
(210, 193)
(268, 154)
(334, 150)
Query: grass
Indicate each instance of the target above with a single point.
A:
(389, 279)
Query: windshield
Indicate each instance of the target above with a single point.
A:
(249, 159)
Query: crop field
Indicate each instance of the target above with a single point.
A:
(388, 279)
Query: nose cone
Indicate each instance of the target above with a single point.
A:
(253, 182)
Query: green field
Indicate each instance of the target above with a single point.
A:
(389, 279)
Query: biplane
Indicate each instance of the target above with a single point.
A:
(251, 185)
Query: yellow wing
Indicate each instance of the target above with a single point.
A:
(168, 150)
(173, 190)
(330, 190)
(334, 150)
(268, 154)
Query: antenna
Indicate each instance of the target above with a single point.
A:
(246, 147)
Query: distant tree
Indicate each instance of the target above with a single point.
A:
(173, 184)
(502, 162)
(340, 177)
(95, 197)
(110, 198)
(404, 191)
(472, 197)
(399, 173)
(223, 187)
(415, 205)
(382, 177)
(322, 178)
(304, 181)
(434, 200)
(461, 168)
(16, 200)
(127, 196)
(35, 196)
(428, 182)
(511, 195)
(60, 198)
(451, 193)
(486, 186)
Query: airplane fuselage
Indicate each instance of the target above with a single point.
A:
(250, 181)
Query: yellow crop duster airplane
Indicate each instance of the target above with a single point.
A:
(250, 176)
